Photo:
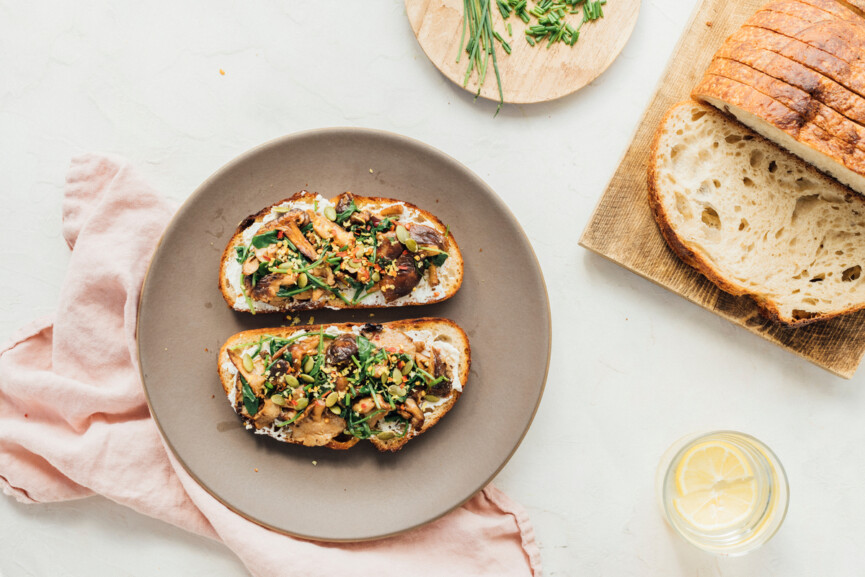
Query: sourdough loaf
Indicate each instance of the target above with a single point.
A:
(754, 219)
(818, 86)
(793, 74)
(785, 127)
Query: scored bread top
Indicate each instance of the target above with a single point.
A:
(784, 126)
(337, 283)
(754, 219)
(818, 86)
(798, 101)
(314, 385)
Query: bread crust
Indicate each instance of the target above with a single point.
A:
(361, 202)
(821, 62)
(816, 85)
(799, 101)
(839, 38)
(782, 118)
(438, 326)
(816, 11)
(765, 305)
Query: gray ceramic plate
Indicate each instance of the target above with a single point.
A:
(338, 495)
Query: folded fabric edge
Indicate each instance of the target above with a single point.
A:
(524, 525)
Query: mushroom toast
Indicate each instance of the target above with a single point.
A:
(308, 252)
(333, 385)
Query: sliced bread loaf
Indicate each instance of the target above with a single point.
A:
(818, 60)
(840, 38)
(797, 100)
(819, 87)
(754, 219)
(784, 126)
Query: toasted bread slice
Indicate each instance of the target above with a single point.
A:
(283, 383)
(754, 219)
(350, 252)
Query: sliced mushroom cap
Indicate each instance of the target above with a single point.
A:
(360, 217)
(389, 246)
(410, 410)
(426, 236)
(393, 340)
(250, 266)
(266, 414)
(293, 234)
(402, 282)
(268, 286)
(317, 427)
(276, 373)
(341, 349)
(255, 377)
(344, 202)
(327, 229)
(440, 369)
(306, 346)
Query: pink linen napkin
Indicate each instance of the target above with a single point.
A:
(74, 422)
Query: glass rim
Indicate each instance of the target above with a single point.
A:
(677, 449)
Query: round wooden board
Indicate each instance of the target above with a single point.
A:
(529, 73)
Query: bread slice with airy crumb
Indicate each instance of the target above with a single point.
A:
(754, 219)
(319, 253)
(311, 385)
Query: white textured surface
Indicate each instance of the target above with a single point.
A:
(633, 367)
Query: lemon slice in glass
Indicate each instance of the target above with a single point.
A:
(715, 486)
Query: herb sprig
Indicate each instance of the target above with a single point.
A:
(552, 26)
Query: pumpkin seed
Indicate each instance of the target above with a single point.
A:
(397, 375)
(401, 234)
(408, 367)
(302, 280)
(375, 277)
(330, 213)
(336, 410)
(278, 400)
(291, 381)
(394, 390)
(301, 403)
(386, 435)
(282, 209)
(308, 364)
(247, 363)
(411, 245)
(431, 398)
(384, 377)
(332, 399)
(307, 379)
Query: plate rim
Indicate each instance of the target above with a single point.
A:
(280, 141)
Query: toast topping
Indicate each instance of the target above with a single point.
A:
(319, 387)
(338, 253)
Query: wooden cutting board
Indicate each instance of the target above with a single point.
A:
(529, 73)
(622, 228)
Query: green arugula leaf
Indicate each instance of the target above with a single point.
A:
(266, 239)
(439, 259)
(364, 349)
(250, 401)
(352, 208)
(242, 251)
